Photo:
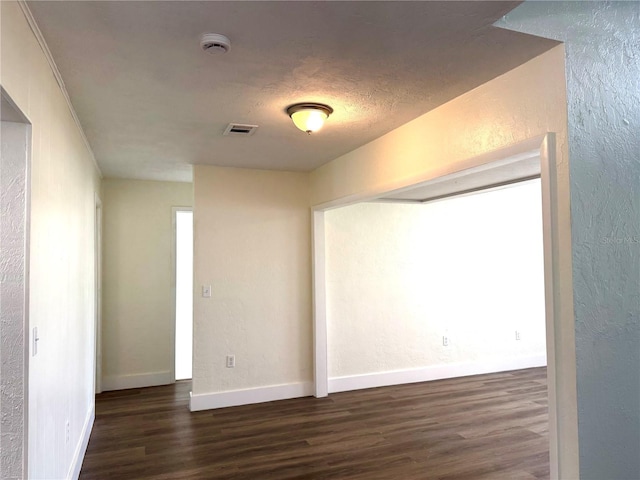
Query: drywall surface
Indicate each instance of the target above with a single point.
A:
(64, 182)
(400, 277)
(521, 105)
(13, 278)
(138, 314)
(602, 42)
(524, 103)
(252, 245)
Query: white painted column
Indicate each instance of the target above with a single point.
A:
(320, 370)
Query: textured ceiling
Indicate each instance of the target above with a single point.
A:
(152, 103)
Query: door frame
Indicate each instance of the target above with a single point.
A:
(98, 293)
(561, 373)
(174, 227)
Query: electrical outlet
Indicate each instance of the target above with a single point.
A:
(206, 291)
(517, 335)
(445, 341)
(67, 432)
(231, 361)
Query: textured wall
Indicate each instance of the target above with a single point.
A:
(137, 315)
(401, 276)
(64, 183)
(252, 245)
(602, 43)
(517, 106)
(13, 184)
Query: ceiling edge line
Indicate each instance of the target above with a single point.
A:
(479, 189)
(395, 200)
(56, 73)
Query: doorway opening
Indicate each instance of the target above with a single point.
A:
(183, 338)
(420, 291)
(530, 159)
(423, 291)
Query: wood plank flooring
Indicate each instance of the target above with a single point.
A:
(483, 427)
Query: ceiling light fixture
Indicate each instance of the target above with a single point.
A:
(309, 117)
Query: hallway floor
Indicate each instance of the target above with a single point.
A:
(491, 426)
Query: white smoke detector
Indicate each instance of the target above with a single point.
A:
(214, 43)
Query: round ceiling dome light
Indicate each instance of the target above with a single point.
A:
(214, 43)
(309, 117)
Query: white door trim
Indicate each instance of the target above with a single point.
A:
(561, 385)
(98, 293)
(320, 354)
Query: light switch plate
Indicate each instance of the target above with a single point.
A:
(34, 342)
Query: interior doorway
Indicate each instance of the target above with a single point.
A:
(183, 338)
(420, 291)
(529, 159)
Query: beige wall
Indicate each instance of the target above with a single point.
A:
(520, 105)
(524, 103)
(64, 183)
(252, 245)
(138, 317)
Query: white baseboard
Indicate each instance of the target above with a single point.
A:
(139, 380)
(207, 401)
(435, 372)
(81, 448)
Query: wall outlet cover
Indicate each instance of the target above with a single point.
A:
(231, 361)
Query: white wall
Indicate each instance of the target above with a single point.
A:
(64, 182)
(401, 276)
(138, 316)
(252, 245)
(510, 111)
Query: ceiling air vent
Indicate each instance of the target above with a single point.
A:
(240, 129)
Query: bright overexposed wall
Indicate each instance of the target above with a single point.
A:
(64, 184)
(513, 111)
(138, 315)
(252, 245)
(400, 277)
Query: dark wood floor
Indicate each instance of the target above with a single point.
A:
(483, 427)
